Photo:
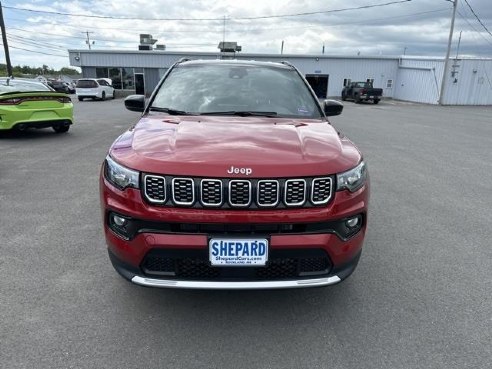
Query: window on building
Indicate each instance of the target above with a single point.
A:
(346, 82)
(128, 78)
(101, 72)
(389, 83)
(115, 75)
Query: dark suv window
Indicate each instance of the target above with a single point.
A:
(86, 83)
(208, 88)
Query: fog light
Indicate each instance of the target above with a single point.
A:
(352, 222)
(119, 221)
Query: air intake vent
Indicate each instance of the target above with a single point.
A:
(239, 193)
(155, 189)
(211, 191)
(321, 190)
(183, 191)
(268, 193)
(295, 192)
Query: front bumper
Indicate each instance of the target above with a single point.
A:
(129, 255)
(217, 285)
(134, 275)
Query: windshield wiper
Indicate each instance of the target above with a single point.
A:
(268, 114)
(170, 111)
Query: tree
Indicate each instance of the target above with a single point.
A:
(25, 70)
(68, 71)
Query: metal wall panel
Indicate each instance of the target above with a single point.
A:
(89, 72)
(151, 79)
(471, 84)
(338, 69)
(419, 80)
(416, 79)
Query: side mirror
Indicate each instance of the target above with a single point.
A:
(135, 103)
(332, 107)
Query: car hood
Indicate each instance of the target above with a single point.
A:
(211, 146)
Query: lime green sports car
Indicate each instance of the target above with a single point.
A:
(28, 104)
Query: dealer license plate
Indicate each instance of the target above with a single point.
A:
(238, 251)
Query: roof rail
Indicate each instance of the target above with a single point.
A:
(285, 62)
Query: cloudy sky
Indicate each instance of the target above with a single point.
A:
(379, 27)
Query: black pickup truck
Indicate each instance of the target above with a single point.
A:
(361, 91)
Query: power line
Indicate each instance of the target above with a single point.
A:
(324, 11)
(35, 42)
(32, 44)
(208, 19)
(37, 52)
(373, 20)
(98, 39)
(472, 26)
(479, 20)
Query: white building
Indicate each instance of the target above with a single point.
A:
(409, 78)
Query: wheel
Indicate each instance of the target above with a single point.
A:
(344, 97)
(103, 96)
(376, 101)
(61, 129)
(357, 99)
(114, 95)
(81, 98)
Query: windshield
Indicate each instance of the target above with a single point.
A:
(231, 88)
(363, 84)
(21, 86)
(86, 83)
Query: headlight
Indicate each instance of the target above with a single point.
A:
(352, 179)
(120, 176)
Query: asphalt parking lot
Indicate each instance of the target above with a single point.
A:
(420, 298)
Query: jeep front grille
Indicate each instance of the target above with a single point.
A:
(211, 192)
(321, 190)
(267, 193)
(155, 189)
(237, 193)
(183, 190)
(295, 192)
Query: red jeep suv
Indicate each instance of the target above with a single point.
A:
(234, 179)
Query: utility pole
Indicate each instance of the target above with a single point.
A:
(458, 48)
(224, 29)
(88, 40)
(446, 62)
(5, 44)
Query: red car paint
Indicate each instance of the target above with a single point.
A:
(230, 147)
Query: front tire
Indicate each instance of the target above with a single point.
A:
(103, 96)
(344, 97)
(376, 101)
(81, 98)
(357, 99)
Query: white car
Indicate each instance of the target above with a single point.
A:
(95, 88)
